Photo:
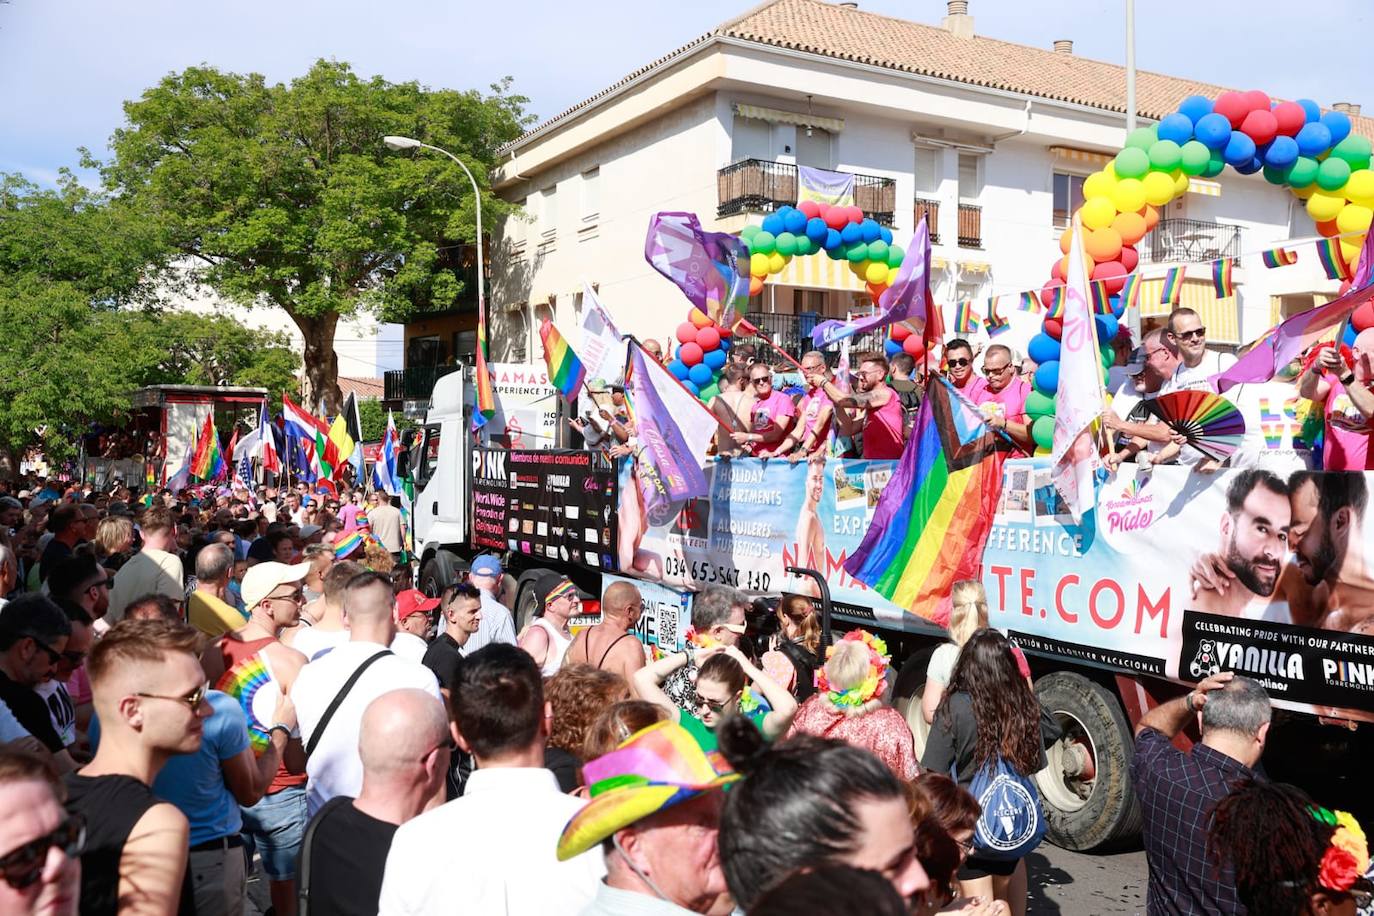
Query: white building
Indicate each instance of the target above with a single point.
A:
(990, 139)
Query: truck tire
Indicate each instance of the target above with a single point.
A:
(1086, 789)
(439, 572)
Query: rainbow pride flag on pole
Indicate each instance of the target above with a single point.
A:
(486, 394)
(1056, 304)
(994, 323)
(933, 518)
(1333, 262)
(1279, 257)
(1173, 287)
(208, 462)
(566, 372)
(1222, 280)
(1030, 302)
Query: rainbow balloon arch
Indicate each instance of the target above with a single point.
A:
(1294, 145)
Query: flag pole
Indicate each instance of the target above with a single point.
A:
(757, 333)
(1103, 441)
(633, 341)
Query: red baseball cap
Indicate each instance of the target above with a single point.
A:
(413, 601)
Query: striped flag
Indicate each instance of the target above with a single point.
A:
(384, 473)
(1056, 303)
(965, 318)
(1101, 299)
(1130, 291)
(1332, 261)
(207, 463)
(994, 323)
(486, 394)
(310, 434)
(566, 372)
(1222, 280)
(1029, 302)
(1173, 287)
(1279, 257)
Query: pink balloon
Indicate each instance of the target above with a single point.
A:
(708, 339)
(810, 208)
(686, 332)
(1113, 273)
(690, 353)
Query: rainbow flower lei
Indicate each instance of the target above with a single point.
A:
(871, 686)
(1347, 858)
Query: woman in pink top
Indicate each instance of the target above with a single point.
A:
(1347, 403)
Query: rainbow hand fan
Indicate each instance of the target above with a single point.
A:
(250, 682)
(1210, 423)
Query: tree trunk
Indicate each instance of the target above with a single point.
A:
(320, 392)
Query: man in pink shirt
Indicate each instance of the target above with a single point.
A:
(884, 421)
(1347, 401)
(771, 416)
(959, 369)
(1002, 397)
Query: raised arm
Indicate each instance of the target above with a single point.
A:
(779, 720)
(648, 682)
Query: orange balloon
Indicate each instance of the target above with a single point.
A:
(1328, 228)
(755, 285)
(1130, 226)
(1065, 240)
(1063, 267)
(1151, 215)
(699, 318)
(1103, 244)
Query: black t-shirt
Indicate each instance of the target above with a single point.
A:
(112, 806)
(347, 856)
(54, 553)
(443, 658)
(28, 707)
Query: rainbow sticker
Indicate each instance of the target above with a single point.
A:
(250, 682)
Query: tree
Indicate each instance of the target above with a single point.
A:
(286, 196)
(217, 350)
(372, 419)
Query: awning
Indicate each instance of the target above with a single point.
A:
(974, 267)
(1221, 317)
(819, 272)
(777, 116)
(1081, 156)
(1204, 186)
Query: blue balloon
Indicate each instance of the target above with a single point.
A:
(891, 347)
(871, 230)
(1194, 107)
(1239, 151)
(1251, 167)
(773, 224)
(851, 233)
(1176, 127)
(795, 222)
(1106, 327)
(714, 360)
(1338, 122)
(700, 375)
(679, 369)
(725, 344)
(1047, 377)
(1348, 338)
(886, 235)
(816, 230)
(1118, 307)
(1043, 348)
(1213, 130)
(1314, 139)
(1281, 152)
(691, 386)
(836, 253)
(1311, 109)
(833, 240)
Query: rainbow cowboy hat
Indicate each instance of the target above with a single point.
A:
(652, 770)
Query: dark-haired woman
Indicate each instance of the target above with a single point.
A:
(989, 711)
(1290, 857)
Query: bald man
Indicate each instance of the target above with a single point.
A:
(404, 744)
(610, 645)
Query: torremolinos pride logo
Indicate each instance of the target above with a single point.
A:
(1127, 511)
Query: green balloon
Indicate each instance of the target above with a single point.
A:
(805, 245)
(877, 251)
(1142, 138)
(1355, 150)
(1333, 174)
(1277, 176)
(1303, 172)
(858, 253)
(1132, 162)
(709, 391)
(1108, 355)
(762, 243)
(786, 244)
(895, 255)
(1165, 155)
(1215, 166)
(1194, 156)
(748, 232)
(1042, 431)
(1039, 405)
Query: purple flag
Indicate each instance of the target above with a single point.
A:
(904, 300)
(702, 264)
(1287, 340)
(675, 430)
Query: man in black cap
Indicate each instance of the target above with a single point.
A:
(1129, 417)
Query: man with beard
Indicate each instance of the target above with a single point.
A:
(1254, 539)
(1344, 587)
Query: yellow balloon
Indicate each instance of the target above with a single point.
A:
(776, 263)
(1129, 195)
(1098, 184)
(1098, 212)
(1041, 451)
(1322, 207)
(1305, 193)
(1360, 187)
(1180, 182)
(1158, 187)
(1110, 170)
(1354, 218)
(758, 264)
(1350, 248)
(877, 272)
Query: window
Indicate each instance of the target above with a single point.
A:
(970, 188)
(751, 139)
(927, 171)
(591, 195)
(517, 225)
(1068, 197)
(425, 351)
(808, 301)
(464, 343)
(548, 213)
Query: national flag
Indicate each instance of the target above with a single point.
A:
(1079, 400)
(346, 431)
(306, 428)
(566, 372)
(1130, 292)
(1102, 300)
(182, 478)
(825, 187)
(675, 430)
(907, 299)
(233, 444)
(1055, 307)
(933, 517)
(1030, 302)
(704, 265)
(384, 475)
(1279, 257)
(1173, 287)
(1222, 280)
(1332, 261)
(207, 463)
(1292, 336)
(966, 320)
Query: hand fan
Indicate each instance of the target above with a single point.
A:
(250, 682)
(1210, 423)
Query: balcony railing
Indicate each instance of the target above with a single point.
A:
(793, 334)
(930, 209)
(970, 226)
(413, 383)
(761, 186)
(1192, 240)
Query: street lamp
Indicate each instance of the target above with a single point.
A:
(403, 143)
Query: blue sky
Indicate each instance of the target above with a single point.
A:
(67, 65)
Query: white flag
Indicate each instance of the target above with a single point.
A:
(1078, 401)
(602, 352)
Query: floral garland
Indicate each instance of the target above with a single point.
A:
(871, 686)
(700, 640)
(1347, 858)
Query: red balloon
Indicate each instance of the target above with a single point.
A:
(723, 331)
(1260, 125)
(1129, 257)
(1328, 228)
(1053, 327)
(913, 346)
(856, 214)
(1290, 117)
(1113, 273)
(1233, 107)
(1047, 291)
(1057, 271)
(1363, 317)
(810, 208)
(835, 217)
(1257, 100)
(900, 332)
(686, 332)
(690, 353)
(708, 339)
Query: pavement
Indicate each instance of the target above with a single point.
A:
(1074, 883)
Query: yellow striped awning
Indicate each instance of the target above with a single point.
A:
(974, 267)
(1204, 186)
(818, 271)
(1221, 317)
(777, 116)
(1083, 156)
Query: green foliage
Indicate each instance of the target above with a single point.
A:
(216, 350)
(372, 418)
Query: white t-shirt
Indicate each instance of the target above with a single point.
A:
(408, 645)
(334, 768)
(313, 643)
(941, 665)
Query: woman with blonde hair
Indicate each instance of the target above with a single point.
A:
(114, 541)
(967, 615)
(848, 704)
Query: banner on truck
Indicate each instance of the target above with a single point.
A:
(665, 614)
(526, 408)
(1134, 587)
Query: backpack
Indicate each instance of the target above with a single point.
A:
(1012, 822)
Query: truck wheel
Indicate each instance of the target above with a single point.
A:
(1086, 789)
(526, 606)
(440, 571)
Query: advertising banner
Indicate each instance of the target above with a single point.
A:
(665, 613)
(526, 408)
(1181, 574)
(549, 504)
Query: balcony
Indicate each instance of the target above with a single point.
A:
(413, 383)
(793, 334)
(930, 210)
(761, 186)
(1191, 241)
(970, 226)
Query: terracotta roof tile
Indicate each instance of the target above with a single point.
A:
(364, 388)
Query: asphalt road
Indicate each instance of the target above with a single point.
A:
(1072, 883)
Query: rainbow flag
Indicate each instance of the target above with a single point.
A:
(1222, 280)
(1173, 287)
(1029, 302)
(1056, 309)
(208, 462)
(933, 517)
(347, 544)
(1279, 257)
(965, 318)
(486, 394)
(1333, 262)
(994, 323)
(565, 369)
(1130, 291)
(1102, 300)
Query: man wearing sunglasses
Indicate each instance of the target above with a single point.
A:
(1186, 336)
(883, 423)
(33, 635)
(1003, 397)
(959, 368)
(39, 841)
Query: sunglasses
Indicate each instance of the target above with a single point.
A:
(23, 866)
(765, 380)
(192, 699)
(53, 655)
(1196, 333)
(700, 702)
(737, 628)
(959, 363)
(989, 370)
